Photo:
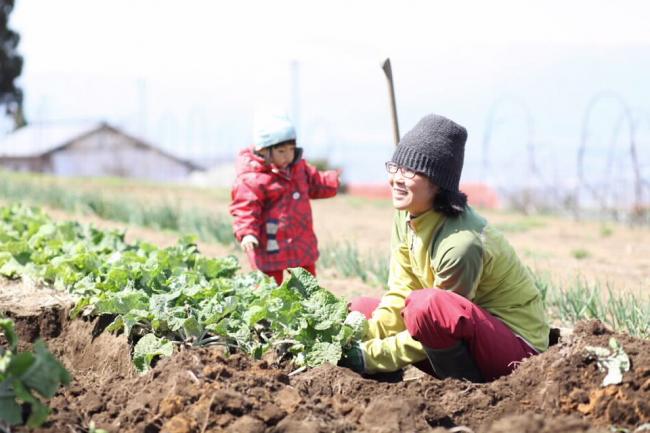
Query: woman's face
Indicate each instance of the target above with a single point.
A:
(414, 195)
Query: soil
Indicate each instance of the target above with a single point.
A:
(205, 390)
(37, 312)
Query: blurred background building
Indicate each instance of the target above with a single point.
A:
(89, 149)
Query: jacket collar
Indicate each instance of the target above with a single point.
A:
(426, 221)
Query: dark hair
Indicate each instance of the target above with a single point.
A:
(450, 203)
(298, 150)
(283, 143)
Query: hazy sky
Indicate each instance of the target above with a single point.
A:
(187, 75)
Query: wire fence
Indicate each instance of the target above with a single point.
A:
(610, 177)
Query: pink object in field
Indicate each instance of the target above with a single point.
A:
(479, 194)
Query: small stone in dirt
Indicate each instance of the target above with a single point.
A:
(389, 415)
(271, 414)
(535, 423)
(246, 424)
(230, 401)
(179, 424)
(596, 399)
(224, 420)
(171, 405)
(591, 327)
(289, 425)
(643, 410)
(288, 399)
(282, 378)
(621, 413)
(93, 403)
(579, 396)
(343, 406)
(216, 372)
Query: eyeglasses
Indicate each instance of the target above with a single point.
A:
(392, 168)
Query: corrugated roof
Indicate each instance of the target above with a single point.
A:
(38, 139)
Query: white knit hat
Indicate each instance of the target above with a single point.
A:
(272, 129)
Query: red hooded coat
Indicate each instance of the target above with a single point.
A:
(273, 205)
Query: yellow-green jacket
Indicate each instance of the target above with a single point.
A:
(463, 254)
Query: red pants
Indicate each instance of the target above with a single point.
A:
(279, 274)
(439, 319)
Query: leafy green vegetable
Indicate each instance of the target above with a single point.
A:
(162, 296)
(24, 376)
(613, 360)
(147, 348)
(9, 331)
(358, 324)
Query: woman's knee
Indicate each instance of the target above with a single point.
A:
(420, 310)
(436, 317)
(363, 304)
(426, 301)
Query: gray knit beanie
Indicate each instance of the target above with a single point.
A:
(434, 147)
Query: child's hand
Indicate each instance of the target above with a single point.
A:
(249, 242)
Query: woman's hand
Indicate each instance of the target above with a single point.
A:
(353, 358)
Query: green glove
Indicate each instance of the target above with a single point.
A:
(353, 358)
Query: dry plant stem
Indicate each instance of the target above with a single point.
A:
(193, 377)
(426, 393)
(297, 371)
(207, 415)
(461, 428)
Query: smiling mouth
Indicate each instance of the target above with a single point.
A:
(399, 191)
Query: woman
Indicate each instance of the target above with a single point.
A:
(458, 294)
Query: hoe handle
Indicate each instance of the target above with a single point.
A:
(391, 92)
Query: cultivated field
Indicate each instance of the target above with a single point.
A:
(599, 253)
(585, 269)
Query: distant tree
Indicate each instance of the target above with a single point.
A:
(11, 65)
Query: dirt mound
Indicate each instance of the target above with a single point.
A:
(565, 380)
(562, 381)
(37, 311)
(204, 390)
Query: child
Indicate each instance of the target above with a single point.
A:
(270, 200)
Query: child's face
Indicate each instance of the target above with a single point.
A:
(283, 155)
